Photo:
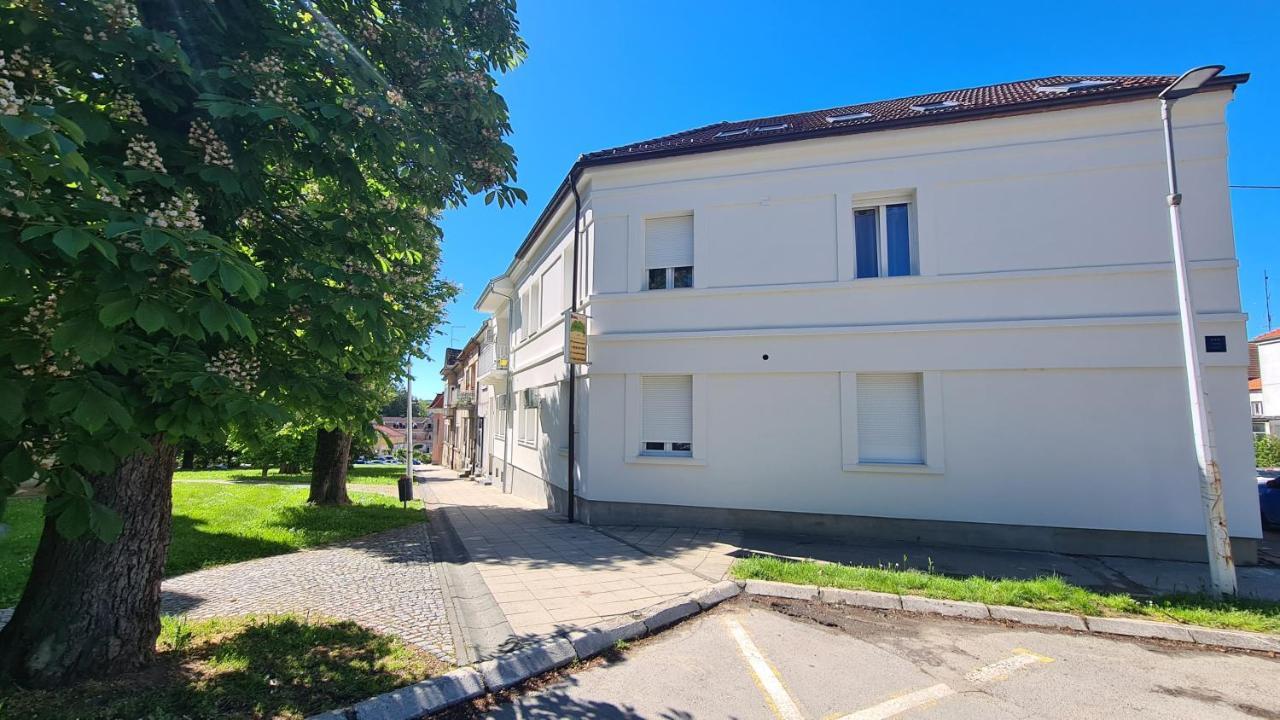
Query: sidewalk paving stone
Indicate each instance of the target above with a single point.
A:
(548, 576)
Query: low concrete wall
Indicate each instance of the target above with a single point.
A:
(1072, 541)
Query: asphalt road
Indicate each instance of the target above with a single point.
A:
(756, 660)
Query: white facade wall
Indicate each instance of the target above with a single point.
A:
(1043, 322)
(1269, 366)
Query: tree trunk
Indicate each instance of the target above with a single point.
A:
(329, 470)
(290, 468)
(266, 470)
(188, 458)
(92, 608)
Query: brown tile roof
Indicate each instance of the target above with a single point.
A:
(956, 105)
(1010, 98)
(1267, 337)
(1255, 384)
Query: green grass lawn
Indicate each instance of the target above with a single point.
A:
(1046, 593)
(285, 667)
(359, 475)
(216, 524)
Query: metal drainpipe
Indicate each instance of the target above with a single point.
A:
(573, 307)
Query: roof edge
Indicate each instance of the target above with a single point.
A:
(1228, 82)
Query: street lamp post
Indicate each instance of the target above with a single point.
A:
(1222, 570)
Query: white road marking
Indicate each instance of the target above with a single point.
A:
(783, 706)
(889, 708)
(998, 670)
(1001, 669)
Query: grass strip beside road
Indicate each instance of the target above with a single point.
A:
(1045, 593)
(284, 666)
(216, 524)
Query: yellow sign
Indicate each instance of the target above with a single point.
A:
(575, 342)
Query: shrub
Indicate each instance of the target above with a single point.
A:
(1266, 450)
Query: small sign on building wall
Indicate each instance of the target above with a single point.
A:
(575, 339)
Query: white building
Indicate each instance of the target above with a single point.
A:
(1264, 391)
(948, 318)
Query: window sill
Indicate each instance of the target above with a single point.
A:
(564, 451)
(894, 468)
(665, 460)
(527, 444)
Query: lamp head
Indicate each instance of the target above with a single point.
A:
(1190, 82)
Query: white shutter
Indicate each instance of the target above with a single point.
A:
(889, 418)
(668, 242)
(553, 291)
(667, 402)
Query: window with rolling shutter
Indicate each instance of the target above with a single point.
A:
(668, 252)
(666, 415)
(890, 420)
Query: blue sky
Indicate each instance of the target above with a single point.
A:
(607, 72)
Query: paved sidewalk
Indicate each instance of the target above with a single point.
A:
(546, 575)
(387, 582)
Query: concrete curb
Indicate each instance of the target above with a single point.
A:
(513, 668)
(1127, 627)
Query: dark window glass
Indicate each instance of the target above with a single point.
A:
(655, 446)
(658, 279)
(898, 232)
(866, 242)
(683, 277)
(682, 447)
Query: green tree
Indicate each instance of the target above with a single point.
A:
(208, 211)
(1266, 451)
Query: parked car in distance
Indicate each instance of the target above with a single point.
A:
(1269, 500)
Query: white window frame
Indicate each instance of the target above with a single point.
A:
(932, 443)
(530, 421)
(1256, 406)
(880, 204)
(633, 424)
(670, 270)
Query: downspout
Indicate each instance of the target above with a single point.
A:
(573, 307)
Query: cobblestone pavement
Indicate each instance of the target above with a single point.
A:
(546, 575)
(386, 582)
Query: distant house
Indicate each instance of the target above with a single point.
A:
(1264, 383)
(435, 427)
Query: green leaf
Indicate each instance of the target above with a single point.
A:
(18, 128)
(72, 240)
(12, 393)
(149, 316)
(94, 344)
(214, 317)
(105, 522)
(229, 277)
(36, 231)
(153, 239)
(18, 466)
(73, 520)
(62, 143)
(108, 250)
(75, 161)
(204, 267)
(116, 313)
(117, 228)
(91, 413)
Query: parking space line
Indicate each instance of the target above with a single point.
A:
(780, 701)
(1001, 669)
(889, 708)
(998, 670)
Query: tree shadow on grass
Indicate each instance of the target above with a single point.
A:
(284, 666)
(195, 547)
(319, 525)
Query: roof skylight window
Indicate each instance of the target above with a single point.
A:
(768, 128)
(731, 133)
(1074, 86)
(935, 105)
(849, 116)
